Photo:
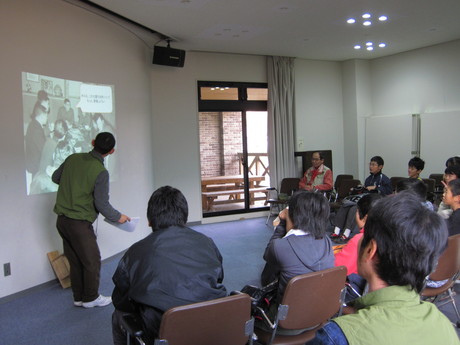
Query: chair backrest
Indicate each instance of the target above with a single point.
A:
(438, 178)
(346, 186)
(289, 184)
(449, 261)
(430, 184)
(339, 178)
(394, 181)
(221, 321)
(313, 298)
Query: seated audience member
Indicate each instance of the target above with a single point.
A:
(299, 243)
(172, 266)
(317, 177)
(417, 187)
(415, 167)
(348, 255)
(451, 198)
(452, 172)
(376, 182)
(400, 247)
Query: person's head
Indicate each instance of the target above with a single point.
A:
(376, 165)
(67, 104)
(104, 143)
(414, 185)
(363, 206)
(402, 241)
(451, 196)
(309, 211)
(415, 167)
(453, 161)
(43, 100)
(60, 129)
(452, 172)
(167, 207)
(317, 159)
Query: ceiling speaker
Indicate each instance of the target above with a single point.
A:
(168, 56)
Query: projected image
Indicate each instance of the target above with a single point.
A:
(62, 117)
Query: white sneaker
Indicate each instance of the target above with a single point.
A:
(78, 303)
(101, 301)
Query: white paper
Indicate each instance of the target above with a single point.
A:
(126, 226)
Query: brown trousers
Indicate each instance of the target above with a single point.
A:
(82, 251)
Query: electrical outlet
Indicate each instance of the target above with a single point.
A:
(7, 269)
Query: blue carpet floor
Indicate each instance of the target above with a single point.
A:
(47, 315)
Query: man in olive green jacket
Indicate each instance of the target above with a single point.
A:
(84, 193)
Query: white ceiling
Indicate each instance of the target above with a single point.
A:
(310, 29)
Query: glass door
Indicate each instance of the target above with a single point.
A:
(233, 151)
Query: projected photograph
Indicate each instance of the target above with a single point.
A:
(62, 117)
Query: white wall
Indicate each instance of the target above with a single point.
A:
(424, 81)
(54, 38)
(319, 111)
(175, 116)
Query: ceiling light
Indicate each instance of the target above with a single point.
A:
(351, 21)
(366, 15)
(382, 45)
(370, 48)
(383, 18)
(367, 23)
(357, 46)
(369, 44)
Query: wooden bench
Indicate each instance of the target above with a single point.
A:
(209, 199)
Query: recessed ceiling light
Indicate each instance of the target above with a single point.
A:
(351, 21)
(369, 44)
(382, 45)
(367, 23)
(370, 48)
(383, 18)
(366, 15)
(357, 46)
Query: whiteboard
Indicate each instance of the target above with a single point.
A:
(391, 138)
(439, 140)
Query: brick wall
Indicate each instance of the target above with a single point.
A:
(220, 143)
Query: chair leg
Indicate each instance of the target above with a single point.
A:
(451, 295)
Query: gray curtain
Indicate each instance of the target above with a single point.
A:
(281, 118)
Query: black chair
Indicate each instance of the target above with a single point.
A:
(430, 188)
(394, 181)
(338, 181)
(224, 321)
(344, 190)
(438, 187)
(278, 200)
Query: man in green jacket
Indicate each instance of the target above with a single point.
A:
(84, 193)
(400, 247)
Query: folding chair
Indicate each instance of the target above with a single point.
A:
(309, 301)
(281, 199)
(448, 268)
(223, 321)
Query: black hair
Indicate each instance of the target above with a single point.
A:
(454, 186)
(416, 186)
(453, 161)
(378, 160)
(104, 142)
(42, 95)
(309, 211)
(167, 207)
(417, 163)
(409, 239)
(365, 204)
(321, 155)
(453, 170)
(66, 101)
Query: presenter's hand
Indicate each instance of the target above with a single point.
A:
(124, 218)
